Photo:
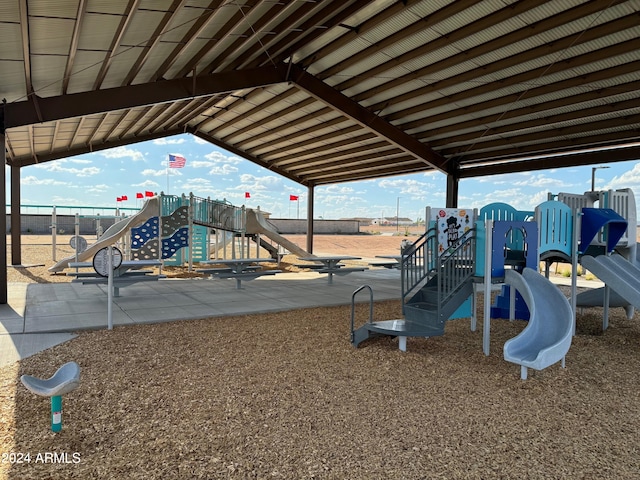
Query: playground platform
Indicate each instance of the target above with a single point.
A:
(40, 316)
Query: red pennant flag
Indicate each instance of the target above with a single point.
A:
(118, 199)
(293, 198)
(247, 195)
(139, 195)
(148, 194)
(124, 198)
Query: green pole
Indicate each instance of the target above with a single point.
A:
(56, 413)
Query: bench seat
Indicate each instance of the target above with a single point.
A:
(342, 271)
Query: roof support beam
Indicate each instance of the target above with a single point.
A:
(87, 103)
(572, 159)
(241, 153)
(453, 181)
(366, 118)
(3, 220)
(88, 148)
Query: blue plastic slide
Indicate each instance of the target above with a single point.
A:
(622, 276)
(547, 337)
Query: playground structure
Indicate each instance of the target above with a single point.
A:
(458, 256)
(183, 227)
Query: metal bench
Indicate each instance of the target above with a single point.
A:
(390, 264)
(247, 276)
(315, 266)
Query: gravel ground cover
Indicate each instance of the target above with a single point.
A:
(284, 395)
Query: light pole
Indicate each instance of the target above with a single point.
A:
(398, 214)
(593, 177)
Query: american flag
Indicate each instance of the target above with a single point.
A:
(176, 161)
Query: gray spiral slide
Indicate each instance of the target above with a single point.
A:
(547, 337)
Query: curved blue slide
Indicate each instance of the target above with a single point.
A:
(547, 337)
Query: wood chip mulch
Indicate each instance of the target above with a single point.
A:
(284, 395)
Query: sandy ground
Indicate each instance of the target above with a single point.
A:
(285, 396)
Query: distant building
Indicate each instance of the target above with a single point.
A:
(392, 221)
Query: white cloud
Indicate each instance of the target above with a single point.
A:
(146, 184)
(58, 166)
(31, 180)
(169, 141)
(250, 182)
(541, 180)
(100, 188)
(223, 170)
(199, 140)
(123, 152)
(219, 157)
(78, 160)
(335, 190)
(629, 179)
(414, 189)
(149, 172)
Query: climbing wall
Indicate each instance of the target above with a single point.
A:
(175, 237)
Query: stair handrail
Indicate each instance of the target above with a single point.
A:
(353, 308)
(457, 267)
(419, 262)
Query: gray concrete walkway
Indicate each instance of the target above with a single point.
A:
(39, 316)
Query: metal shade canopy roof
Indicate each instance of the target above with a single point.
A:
(324, 91)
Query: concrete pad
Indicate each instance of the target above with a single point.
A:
(13, 348)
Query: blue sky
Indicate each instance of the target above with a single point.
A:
(96, 179)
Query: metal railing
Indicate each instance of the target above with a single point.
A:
(217, 214)
(454, 267)
(457, 267)
(419, 262)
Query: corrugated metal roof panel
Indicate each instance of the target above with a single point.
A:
(11, 44)
(10, 12)
(47, 73)
(155, 58)
(97, 31)
(85, 69)
(121, 63)
(52, 36)
(12, 86)
(141, 28)
(162, 5)
(52, 8)
(108, 7)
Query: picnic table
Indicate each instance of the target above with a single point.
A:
(127, 273)
(393, 261)
(237, 268)
(331, 265)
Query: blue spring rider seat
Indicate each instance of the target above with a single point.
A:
(65, 380)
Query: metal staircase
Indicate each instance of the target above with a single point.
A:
(434, 285)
